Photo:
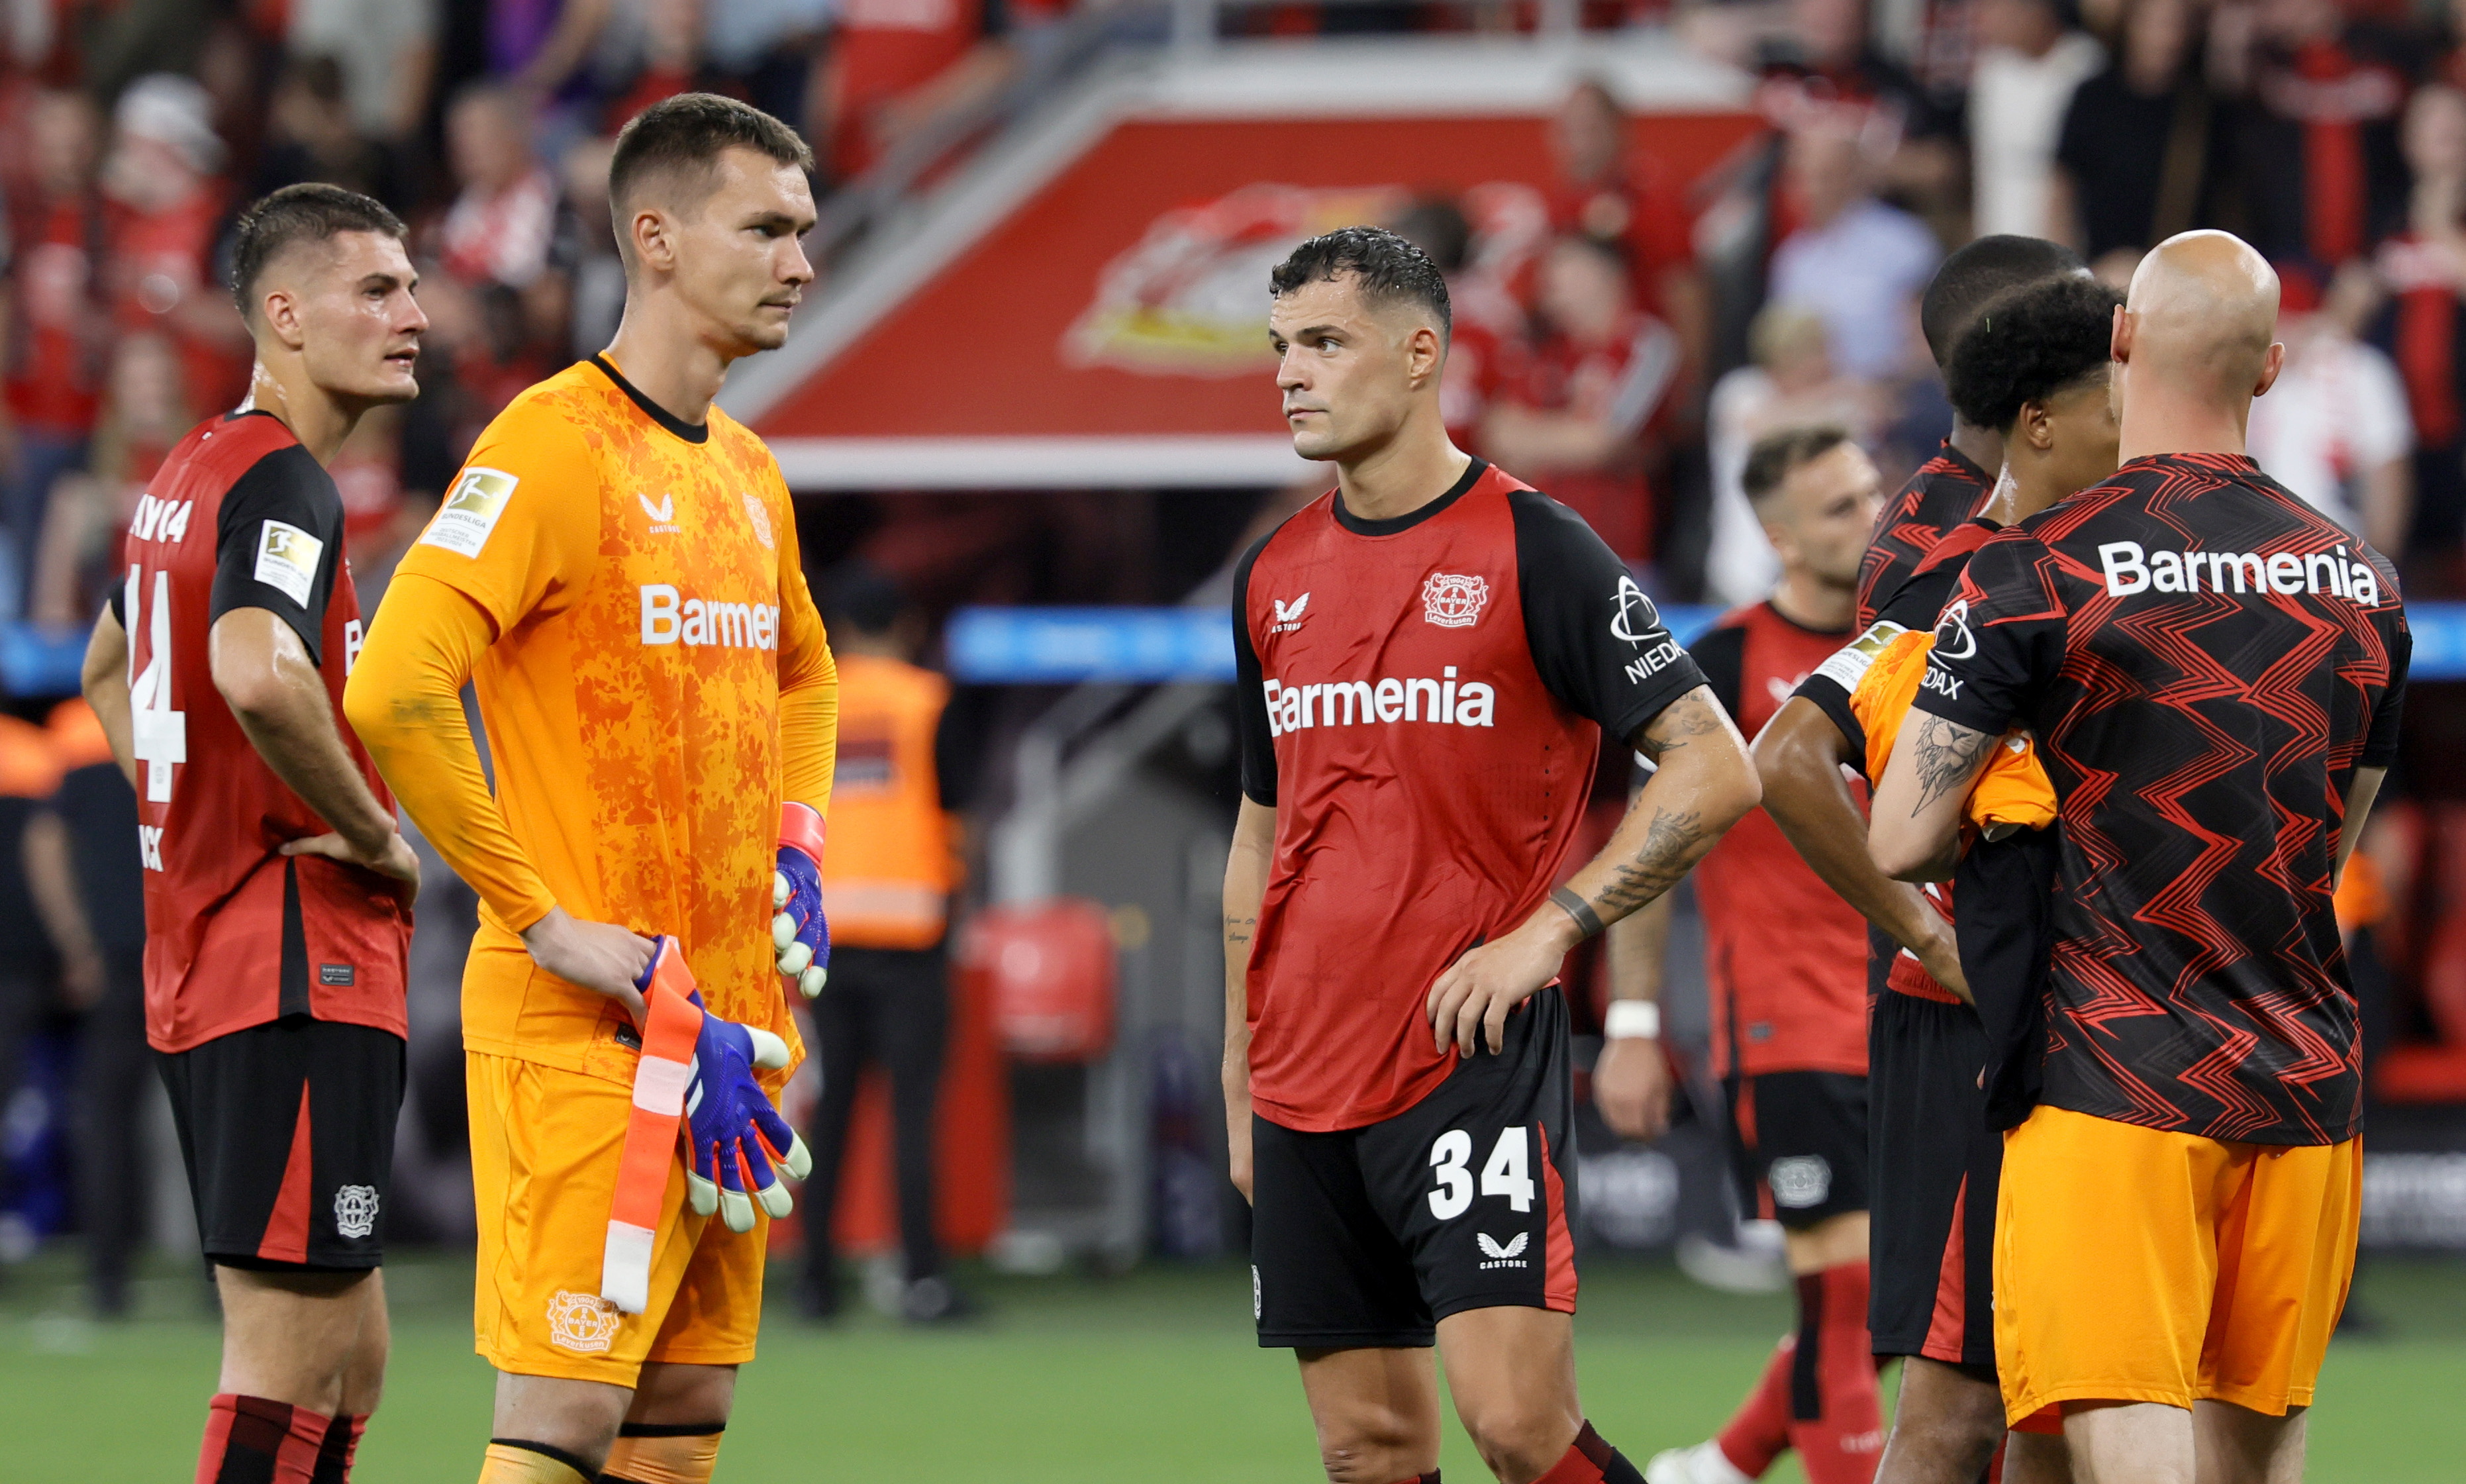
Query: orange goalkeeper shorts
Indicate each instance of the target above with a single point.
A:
(2135, 1265)
(545, 1147)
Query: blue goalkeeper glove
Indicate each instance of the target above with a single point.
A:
(798, 932)
(736, 1134)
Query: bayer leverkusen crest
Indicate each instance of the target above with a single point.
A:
(1454, 600)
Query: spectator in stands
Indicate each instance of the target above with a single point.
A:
(2423, 271)
(312, 135)
(1791, 384)
(895, 65)
(1611, 191)
(167, 200)
(387, 53)
(539, 49)
(767, 50)
(2322, 175)
(1572, 403)
(1483, 316)
(1854, 260)
(60, 336)
(670, 46)
(2032, 57)
(588, 250)
(2136, 159)
(1828, 72)
(2335, 428)
(888, 876)
(91, 892)
(500, 226)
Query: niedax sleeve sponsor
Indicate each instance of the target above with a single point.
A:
(1249, 691)
(1598, 640)
(279, 542)
(1999, 640)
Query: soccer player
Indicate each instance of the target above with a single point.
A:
(1786, 960)
(2034, 370)
(616, 568)
(2212, 671)
(1428, 657)
(277, 889)
(1954, 485)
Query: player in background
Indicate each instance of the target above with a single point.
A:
(1786, 961)
(2194, 649)
(616, 570)
(1428, 657)
(1952, 486)
(277, 889)
(2035, 370)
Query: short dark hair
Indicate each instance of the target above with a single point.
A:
(1389, 270)
(1778, 455)
(1976, 273)
(2028, 345)
(311, 212)
(687, 134)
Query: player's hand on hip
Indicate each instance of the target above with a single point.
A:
(1470, 1002)
(599, 956)
(800, 933)
(1631, 1087)
(736, 1136)
(393, 857)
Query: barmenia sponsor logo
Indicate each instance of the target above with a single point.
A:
(1351, 703)
(2130, 570)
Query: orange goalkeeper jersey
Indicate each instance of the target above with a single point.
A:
(622, 589)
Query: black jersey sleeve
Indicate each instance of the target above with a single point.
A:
(2380, 743)
(1597, 641)
(1250, 691)
(279, 543)
(1914, 605)
(1999, 640)
(1721, 653)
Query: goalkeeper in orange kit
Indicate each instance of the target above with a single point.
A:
(616, 569)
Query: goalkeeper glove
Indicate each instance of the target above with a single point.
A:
(733, 1133)
(798, 932)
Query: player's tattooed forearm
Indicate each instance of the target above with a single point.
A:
(1238, 930)
(1691, 716)
(1946, 754)
(1671, 846)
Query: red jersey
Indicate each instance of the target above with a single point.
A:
(161, 261)
(242, 516)
(1643, 211)
(1784, 957)
(1421, 701)
(1622, 383)
(54, 376)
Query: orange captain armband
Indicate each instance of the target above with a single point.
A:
(660, 1078)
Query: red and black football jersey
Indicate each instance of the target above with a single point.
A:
(242, 516)
(2204, 660)
(1946, 490)
(1421, 699)
(1784, 957)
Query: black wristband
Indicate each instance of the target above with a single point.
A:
(1587, 921)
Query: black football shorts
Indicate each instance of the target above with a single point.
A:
(287, 1131)
(1798, 1144)
(1937, 1166)
(1369, 1236)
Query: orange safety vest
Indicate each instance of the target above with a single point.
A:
(888, 871)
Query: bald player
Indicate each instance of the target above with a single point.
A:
(2197, 651)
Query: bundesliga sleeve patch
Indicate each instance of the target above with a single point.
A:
(287, 560)
(1849, 663)
(471, 511)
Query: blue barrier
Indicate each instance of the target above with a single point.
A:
(1058, 646)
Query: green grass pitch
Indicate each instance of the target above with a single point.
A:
(1149, 1377)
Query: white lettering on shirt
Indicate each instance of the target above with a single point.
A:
(2129, 568)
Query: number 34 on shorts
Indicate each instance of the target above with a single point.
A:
(1507, 1172)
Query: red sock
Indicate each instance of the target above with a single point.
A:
(250, 1438)
(1836, 1417)
(1591, 1460)
(1760, 1432)
(1995, 1465)
(341, 1447)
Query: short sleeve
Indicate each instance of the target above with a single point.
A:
(1596, 638)
(1999, 640)
(278, 543)
(1258, 740)
(1721, 653)
(2380, 743)
(519, 528)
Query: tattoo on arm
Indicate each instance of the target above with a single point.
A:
(1947, 757)
(1691, 716)
(1669, 850)
(1238, 930)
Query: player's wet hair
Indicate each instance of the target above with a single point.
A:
(683, 137)
(1389, 270)
(1981, 271)
(1776, 456)
(2029, 344)
(311, 212)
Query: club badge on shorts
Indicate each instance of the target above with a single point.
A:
(585, 1323)
(355, 1211)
